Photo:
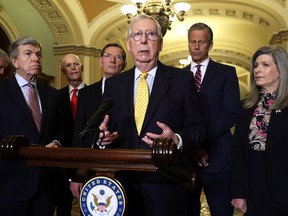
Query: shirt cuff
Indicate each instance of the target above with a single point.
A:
(180, 142)
(57, 142)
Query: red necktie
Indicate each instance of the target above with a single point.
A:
(34, 106)
(73, 102)
(198, 77)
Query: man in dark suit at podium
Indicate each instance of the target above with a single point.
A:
(172, 112)
(27, 108)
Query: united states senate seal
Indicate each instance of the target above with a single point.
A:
(103, 196)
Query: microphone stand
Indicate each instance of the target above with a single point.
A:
(95, 136)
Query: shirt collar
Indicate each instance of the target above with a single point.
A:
(79, 87)
(22, 82)
(151, 72)
(204, 64)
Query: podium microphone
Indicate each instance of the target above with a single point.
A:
(93, 122)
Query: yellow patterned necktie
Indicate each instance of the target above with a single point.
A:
(141, 102)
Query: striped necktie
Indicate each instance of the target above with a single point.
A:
(34, 106)
(198, 77)
(141, 101)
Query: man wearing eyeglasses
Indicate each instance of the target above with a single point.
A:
(112, 61)
(172, 112)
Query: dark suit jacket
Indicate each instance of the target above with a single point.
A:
(66, 116)
(220, 99)
(173, 101)
(275, 155)
(89, 100)
(18, 180)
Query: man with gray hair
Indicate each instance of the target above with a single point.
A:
(171, 111)
(28, 108)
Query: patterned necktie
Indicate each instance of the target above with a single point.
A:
(34, 106)
(73, 102)
(198, 77)
(141, 102)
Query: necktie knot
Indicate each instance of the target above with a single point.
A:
(31, 86)
(75, 90)
(144, 75)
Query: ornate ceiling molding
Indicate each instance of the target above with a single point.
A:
(281, 2)
(8, 26)
(279, 37)
(51, 15)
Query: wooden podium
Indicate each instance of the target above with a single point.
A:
(163, 158)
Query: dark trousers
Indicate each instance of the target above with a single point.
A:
(156, 199)
(217, 191)
(62, 195)
(38, 205)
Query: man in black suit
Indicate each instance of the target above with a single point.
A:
(173, 112)
(27, 190)
(112, 62)
(72, 68)
(220, 99)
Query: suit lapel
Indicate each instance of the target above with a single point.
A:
(159, 89)
(44, 102)
(277, 120)
(127, 82)
(19, 99)
(211, 67)
(66, 102)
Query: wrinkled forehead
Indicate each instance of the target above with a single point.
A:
(144, 25)
(29, 47)
(113, 50)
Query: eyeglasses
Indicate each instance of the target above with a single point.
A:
(149, 34)
(109, 56)
(199, 43)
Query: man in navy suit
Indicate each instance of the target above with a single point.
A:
(72, 68)
(219, 95)
(112, 61)
(173, 112)
(27, 190)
